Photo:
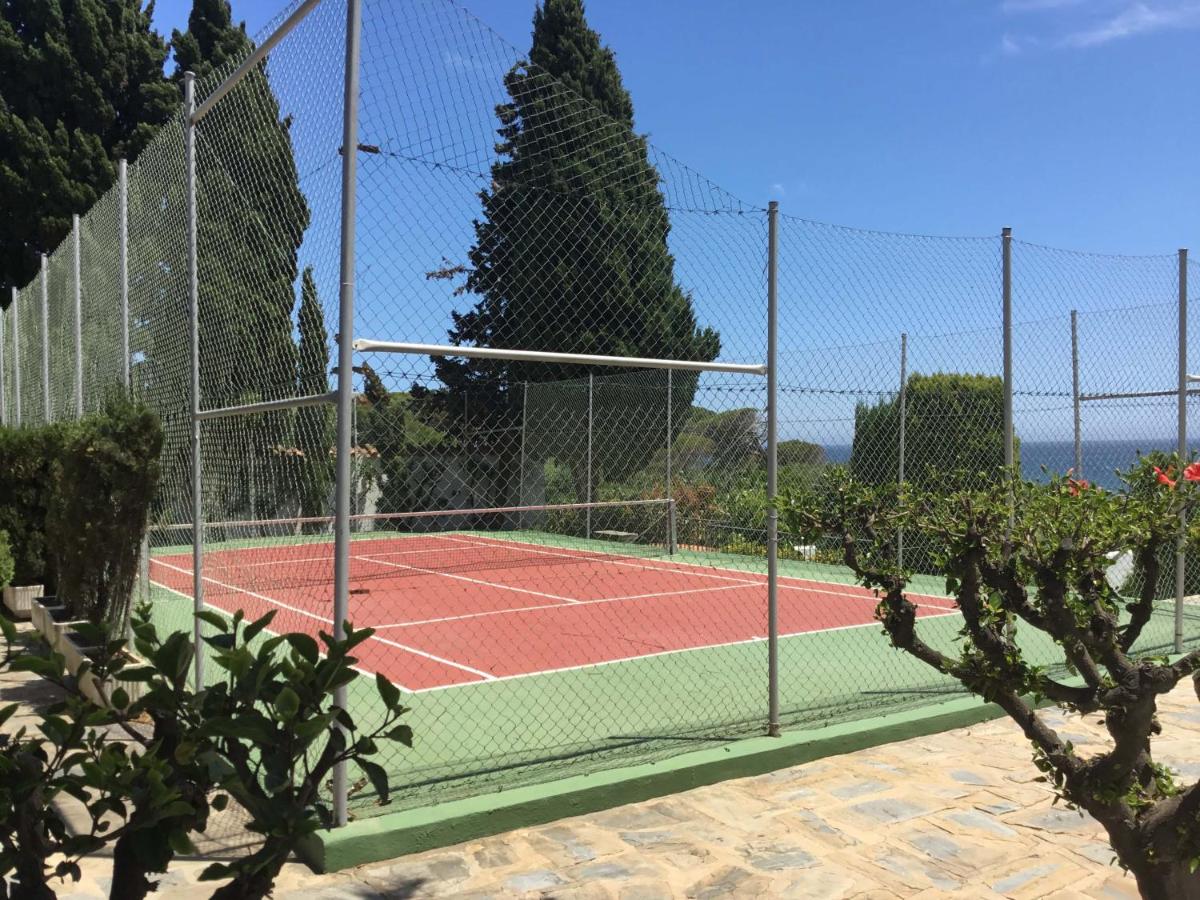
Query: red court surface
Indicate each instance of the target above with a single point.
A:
(455, 609)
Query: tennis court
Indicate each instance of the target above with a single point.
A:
(461, 607)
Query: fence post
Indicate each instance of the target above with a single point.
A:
(47, 409)
(1075, 401)
(3, 381)
(521, 471)
(591, 390)
(189, 102)
(670, 496)
(1006, 290)
(1181, 538)
(772, 474)
(123, 244)
(78, 318)
(16, 326)
(903, 418)
(345, 375)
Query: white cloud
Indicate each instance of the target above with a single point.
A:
(1137, 19)
(778, 189)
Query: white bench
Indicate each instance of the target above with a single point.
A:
(627, 536)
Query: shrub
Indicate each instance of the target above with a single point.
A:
(6, 560)
(103, 484)
(26, 461)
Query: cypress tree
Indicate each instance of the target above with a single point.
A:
(314, 434)
(571, 253)
(251, 221)
(82, 86)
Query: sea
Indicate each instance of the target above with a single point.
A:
(1101, 459)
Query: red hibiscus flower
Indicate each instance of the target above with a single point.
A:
(1192, 472)
(1165, 477)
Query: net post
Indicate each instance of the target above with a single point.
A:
(521, 471)
(672, 539)
(903, 426)
(189, 100)
(78, 317)
(670, 500)
(772, 473)
(44, 278)
(591, 387)
(1075, 402)
(1181, 538)
(16, 327)
(123, 251)
(345, 376)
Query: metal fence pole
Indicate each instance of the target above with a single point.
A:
(345, 376)
(772, 474)
(3, 381)
(78, 318)
(123, 248)
(47, 409)
(1075, 402)
(903, 418)
(16, 327)
(1180, 540)
(670, 474)
(1006, 241)
(591, 389)
(189, 100)
(521, 473)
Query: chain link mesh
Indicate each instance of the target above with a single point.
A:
(565, 564)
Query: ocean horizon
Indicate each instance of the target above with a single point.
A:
(1039, 459)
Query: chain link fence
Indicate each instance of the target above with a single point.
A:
(566, 563)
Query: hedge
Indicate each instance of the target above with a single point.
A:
(75, 500)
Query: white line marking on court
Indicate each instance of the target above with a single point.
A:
(517, 609)
(609, 662)
(492, 584)
(304, 612)
(227, 614)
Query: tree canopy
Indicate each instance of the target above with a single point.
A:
(83, 86)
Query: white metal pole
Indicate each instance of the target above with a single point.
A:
(1075, 401)
(3, 381)
(345, 375)
(903, 430)
(16, 326)
(591, 387)
(78, 319)
(1180, 540)
(671, 522)
(772, 472)
(123, 242)
(47, 409)
(521, 472)
(189, 99)
(1006, 291)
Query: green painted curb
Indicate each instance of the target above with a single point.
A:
(430, 827)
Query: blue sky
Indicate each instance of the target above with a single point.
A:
(1071, 120)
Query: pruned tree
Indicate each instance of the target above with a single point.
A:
(1037, 559)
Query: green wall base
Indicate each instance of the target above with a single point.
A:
(426, 828)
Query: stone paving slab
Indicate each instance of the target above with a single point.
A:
(959, 814)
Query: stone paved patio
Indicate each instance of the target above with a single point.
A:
(955, 814)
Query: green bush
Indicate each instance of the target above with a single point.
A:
(6, 560)
(26, 458)
(103, 484)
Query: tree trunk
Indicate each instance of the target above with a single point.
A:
(129, 881)
(257, 885)
(1169, 880)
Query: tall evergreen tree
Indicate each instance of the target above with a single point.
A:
(314, 434)
(571, 253)
(251, 221)
(81, 86)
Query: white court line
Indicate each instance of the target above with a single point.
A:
(491, 584)
(517, 609)
(224, 612)
(327, 621)
(609, 662)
